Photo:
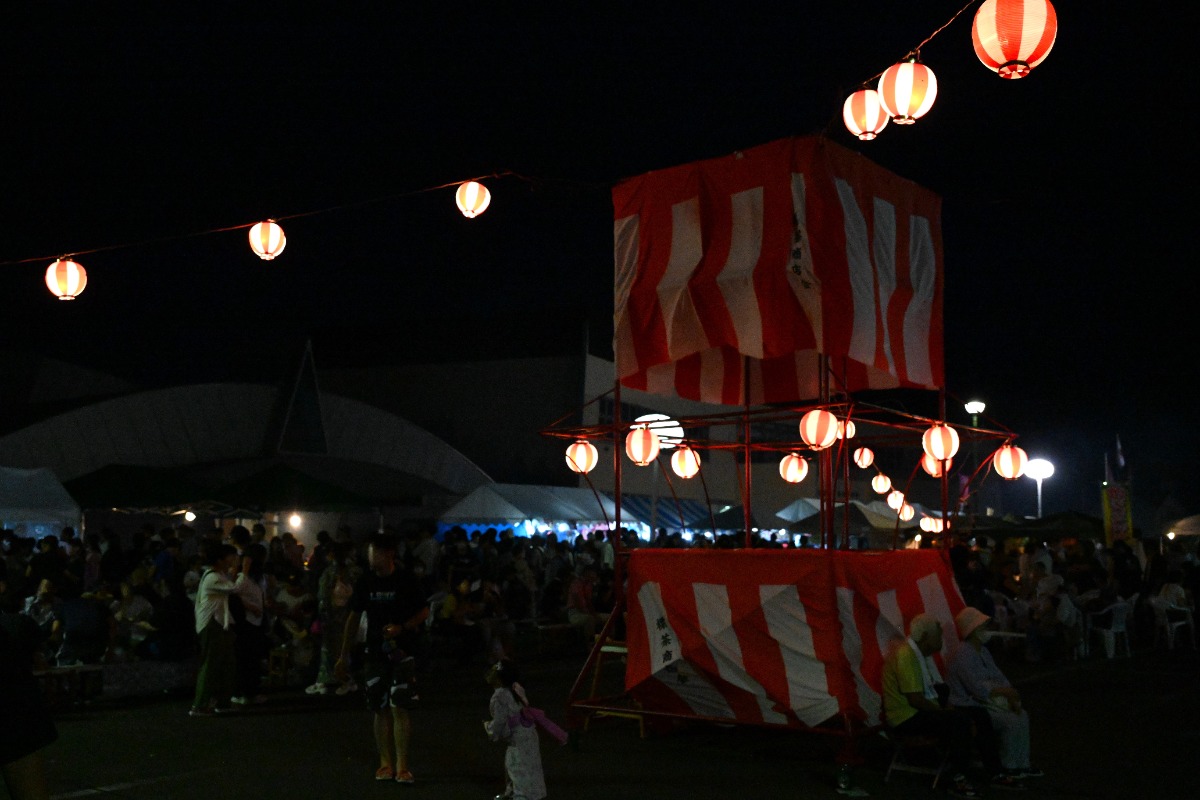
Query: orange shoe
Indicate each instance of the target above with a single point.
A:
(385, 774)
(404, 776)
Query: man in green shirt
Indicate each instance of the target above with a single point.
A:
(915, 704)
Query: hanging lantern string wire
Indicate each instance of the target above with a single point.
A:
(869, 83)
(248, 225)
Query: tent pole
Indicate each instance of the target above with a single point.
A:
(618, 544)
(825, 460)
(747, 514)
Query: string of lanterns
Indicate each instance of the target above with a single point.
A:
(66, 278)
(818, 429)
(1010, 38)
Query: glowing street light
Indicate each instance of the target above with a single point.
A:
(975, 408)
(1039, 469)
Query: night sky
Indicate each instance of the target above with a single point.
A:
(1069, 287)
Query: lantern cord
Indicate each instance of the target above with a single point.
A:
(247, 225)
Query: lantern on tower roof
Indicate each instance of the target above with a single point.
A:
(907, 90)
(267, 239)
(66, 278)
(1011, 37)
(864, 114)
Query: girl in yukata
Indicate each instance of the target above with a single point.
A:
(515, 722)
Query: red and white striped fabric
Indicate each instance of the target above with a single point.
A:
(1011, 37)
(765, 260)
(792, 638)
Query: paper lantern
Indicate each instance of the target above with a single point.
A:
(940, 442)
(864, 457)
(793, 468)
(895, 499)
(845, 429)
(906, 512)
(864, 114)
(582, 457)
(267, 240)
(818, 429)
(933, 467)
(472, 198)
(907, 91)
(1011, 37)
(685, 462)
(881, 483)
(926, 524)
(641, 445)
(66, 279)
(1009, 462)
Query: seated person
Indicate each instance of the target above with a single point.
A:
(915, 703)
(1174, 593)
(976, 681)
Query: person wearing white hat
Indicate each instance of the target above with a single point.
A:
(976, 681)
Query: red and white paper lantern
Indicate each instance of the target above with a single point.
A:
(1011, 37)
(685, 462)
(818, 429)
(864, 457)
(582, 457)
(881, 483)
(1009, 462)
(641, 445)
(66, 278)
(267, 239)
(940, 442)
(907, 91)
(864, 114)
(793, 468)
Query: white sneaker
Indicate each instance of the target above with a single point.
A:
(316, 688)
(347, 688)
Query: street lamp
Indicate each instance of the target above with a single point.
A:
(975, 408)
(1039, 469)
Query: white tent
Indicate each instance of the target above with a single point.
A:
(511, 503)
(34, 503)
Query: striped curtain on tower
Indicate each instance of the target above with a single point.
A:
(768, 258)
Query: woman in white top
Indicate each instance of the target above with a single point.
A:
(214, 624)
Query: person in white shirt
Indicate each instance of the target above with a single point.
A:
(214, 624)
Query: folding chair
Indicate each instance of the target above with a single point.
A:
(907, 754)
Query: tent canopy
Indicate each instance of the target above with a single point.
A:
(510, 503)
(35, 496)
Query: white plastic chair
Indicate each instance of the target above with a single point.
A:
(1168, 619)
(1116, 630)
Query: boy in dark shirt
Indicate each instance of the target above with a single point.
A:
(396, 609)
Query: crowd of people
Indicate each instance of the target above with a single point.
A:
(104, 597)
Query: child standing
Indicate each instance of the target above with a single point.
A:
(515, 722)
